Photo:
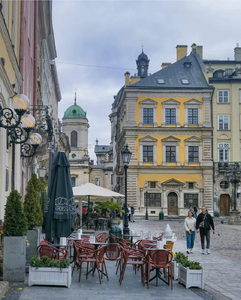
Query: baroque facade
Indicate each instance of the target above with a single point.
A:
(225, 77)
(165, 118)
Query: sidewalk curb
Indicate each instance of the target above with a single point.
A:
(4, 286)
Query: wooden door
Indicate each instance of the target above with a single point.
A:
(172, 204)
(224, 205)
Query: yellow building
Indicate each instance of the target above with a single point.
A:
(225, 77)
(165, 118)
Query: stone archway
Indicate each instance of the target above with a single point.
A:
(172, 202)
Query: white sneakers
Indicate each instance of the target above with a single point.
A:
(207, 251)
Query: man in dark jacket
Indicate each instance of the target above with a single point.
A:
(204, 224)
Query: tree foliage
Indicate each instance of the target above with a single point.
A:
(15, 222)
(32, 207)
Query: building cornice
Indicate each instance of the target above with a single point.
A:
(8, 42)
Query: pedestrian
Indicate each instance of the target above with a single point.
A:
(129, 212)
(204, 224)
(190, 226)
(195, 212)
(132, 214)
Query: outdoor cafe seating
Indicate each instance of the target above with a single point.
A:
(143, 256)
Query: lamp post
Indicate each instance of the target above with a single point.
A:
(126, 157)
(146, 200)
(234, 176)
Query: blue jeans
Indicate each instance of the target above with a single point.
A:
(190, 239)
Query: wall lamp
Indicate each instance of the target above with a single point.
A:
(29, 149)
(8, 119)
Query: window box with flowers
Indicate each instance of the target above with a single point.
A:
(191, 274)
(49, 272)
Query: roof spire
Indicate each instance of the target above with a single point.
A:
(142, 46)
(75, 99)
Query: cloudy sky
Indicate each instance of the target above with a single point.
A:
(98, 41)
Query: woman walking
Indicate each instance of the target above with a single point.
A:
(190, 226)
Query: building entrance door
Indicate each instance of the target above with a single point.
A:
(224, 205)
(172, 204)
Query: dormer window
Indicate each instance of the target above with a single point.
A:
(218, 74)
(187, 64)
(185, 81)
(160, 81)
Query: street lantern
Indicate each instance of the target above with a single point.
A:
(126, 157)
(146, 200)
(234, 176)
(42, 172)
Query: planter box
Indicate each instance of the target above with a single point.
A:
(49, 276)
(33, 236)
(14, 258)
(191, 278)
(175, 267)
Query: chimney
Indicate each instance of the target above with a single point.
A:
(199, 51)
(181, 51)
(237, 53)
(127, 78)
(96, 141)
(165, 64)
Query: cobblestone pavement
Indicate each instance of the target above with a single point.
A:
(222, 272)
(222, 266)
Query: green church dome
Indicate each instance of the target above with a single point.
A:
(74, 111)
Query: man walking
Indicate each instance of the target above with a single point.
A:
(132, 214)
(204, 224)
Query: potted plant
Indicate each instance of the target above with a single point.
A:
(178, 258)
(190, 273)
(49, 272)
(34, 215)
(15, 228)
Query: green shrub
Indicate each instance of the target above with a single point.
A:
(32, 207)
(179, 257)
(192, 265)
(15, 222)
(46, 262)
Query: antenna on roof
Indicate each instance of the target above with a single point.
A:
(237, 45)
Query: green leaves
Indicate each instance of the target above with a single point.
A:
(46, 262)
(32, 207)
(179, 257)
(15, 222)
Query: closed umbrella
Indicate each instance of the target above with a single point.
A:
(60, 209)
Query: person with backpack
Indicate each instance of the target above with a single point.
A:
(204, 224)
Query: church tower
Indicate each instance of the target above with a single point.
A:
(75, 125)
(142, 63)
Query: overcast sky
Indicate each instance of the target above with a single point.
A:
(98, 41)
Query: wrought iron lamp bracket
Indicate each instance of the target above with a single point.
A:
(8, 119)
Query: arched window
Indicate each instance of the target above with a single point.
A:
(74, 138)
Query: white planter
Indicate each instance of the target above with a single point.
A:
(191, 278)
(175, 267)
(49, 276)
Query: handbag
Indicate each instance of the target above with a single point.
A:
(202, 224)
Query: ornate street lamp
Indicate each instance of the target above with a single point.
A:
(234, 175)
(126, 157)
(10, 119)
(29, 149)
(146, 200)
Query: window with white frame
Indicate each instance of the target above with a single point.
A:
(147, 115)
(170, 153)
(223, 122)
(170, 116)
(223, 96)
(193, 154)
(223, 152)
(147, 153)
(192, 116)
